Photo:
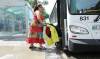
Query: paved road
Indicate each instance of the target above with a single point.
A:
(19, 50)
(89, 55)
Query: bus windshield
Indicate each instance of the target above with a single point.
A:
(84, 6)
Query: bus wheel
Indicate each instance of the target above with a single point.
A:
(71, 47)
(58, 45)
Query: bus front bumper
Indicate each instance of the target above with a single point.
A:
(84, 45)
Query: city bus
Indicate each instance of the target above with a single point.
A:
(79, 24)
(15, 18)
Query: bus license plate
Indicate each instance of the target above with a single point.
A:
(96, 27)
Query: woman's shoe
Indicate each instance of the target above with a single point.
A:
(42, 48)
(32, 47)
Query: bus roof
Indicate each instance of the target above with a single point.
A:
(4, 3)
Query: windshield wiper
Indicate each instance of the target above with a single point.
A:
(97, 18)
(90, 10)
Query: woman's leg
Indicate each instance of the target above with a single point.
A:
(41, 41)
(31, 46)
(33, 40)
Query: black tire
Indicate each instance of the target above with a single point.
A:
(59, 45)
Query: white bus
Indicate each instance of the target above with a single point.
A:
(15, 17)
(79, 22)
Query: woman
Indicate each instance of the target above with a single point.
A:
(36, 28)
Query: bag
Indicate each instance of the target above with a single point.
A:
(54, 36)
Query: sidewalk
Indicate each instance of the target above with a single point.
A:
(18, 50)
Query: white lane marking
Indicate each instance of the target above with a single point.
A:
(8, 56)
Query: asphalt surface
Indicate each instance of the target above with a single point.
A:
(85, 55)
(20, 50)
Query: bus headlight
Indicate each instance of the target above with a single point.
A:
(78, 30)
